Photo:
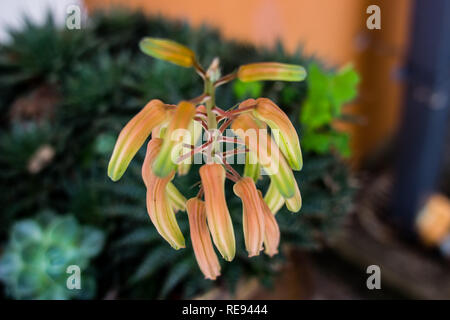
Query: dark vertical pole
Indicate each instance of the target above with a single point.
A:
(425, 113)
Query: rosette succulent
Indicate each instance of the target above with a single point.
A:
(36, 262)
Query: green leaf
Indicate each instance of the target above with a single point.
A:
(64, 230)
(316, 114)
(156, 259)
(31, 253)
(26, 231)
(56, 261)
(344, 86)
(323, 142)
(92, 242)
(10, 263)
(144, 235)
(180, 271)
(27, 282)
(318, 142)
(327, 92)
(244, 90)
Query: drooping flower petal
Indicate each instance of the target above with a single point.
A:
(271, 71)
(271, 231)
(265, 149)
(282, 129)
(153, 148)
(250, 105)
(165, 162)
(252, 215)
(201, 240)
(161, 212)
(177, 200)
(133, 136)
(219, 220)
(158, 131)
(159, 208)
(195, 132)
(168, 50)
(294, 204)
(252, 168)
(273, 198)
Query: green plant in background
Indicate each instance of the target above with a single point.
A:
(66, 121)
(327, 92)
(35, 260)
(243, 90)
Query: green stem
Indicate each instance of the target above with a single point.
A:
(210, 103)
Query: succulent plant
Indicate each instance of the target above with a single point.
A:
(175, 132)
(102, 79)
(35, 261)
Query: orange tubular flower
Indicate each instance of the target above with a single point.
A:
(177, 200)
(294, 204)
(283, 131)
(252, 215)
(175, 131)
(158, 204)
(201, 240)
(252, 168)
(133, 136)
(165, 163)
(219, 220)
(273, 198)
(271, 231)
(271, 71)
(267, 153)
(168, 50)
(195, 132)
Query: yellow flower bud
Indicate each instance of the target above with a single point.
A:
(165, 162)
(252, 215)
(294, 204)
(133, 136)
(177, 200)
(195, 132)
(219, 220)
(252, 168)
(283, 131)
(168, 50)
(159, 208)
(273, 198)
(271, 71)
(271, 230)
(265, 149)
(201, 239)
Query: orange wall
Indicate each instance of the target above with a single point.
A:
(333, 30)
(322, 26)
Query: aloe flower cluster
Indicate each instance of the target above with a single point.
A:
(196, 131)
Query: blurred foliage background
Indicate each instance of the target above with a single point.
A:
(65, 95)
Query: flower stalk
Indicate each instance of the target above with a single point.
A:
(175, 131)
